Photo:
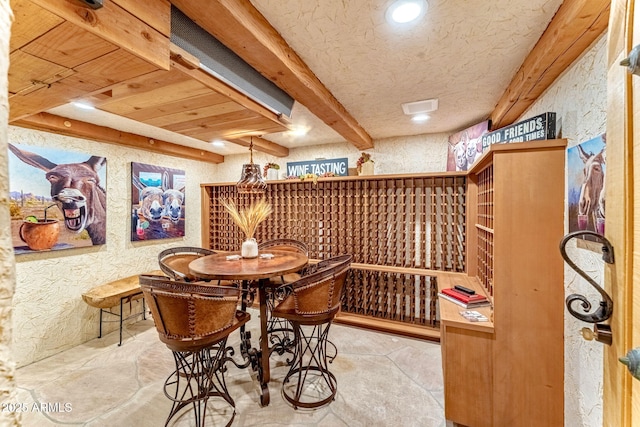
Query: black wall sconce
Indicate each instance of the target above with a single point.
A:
(601, 332)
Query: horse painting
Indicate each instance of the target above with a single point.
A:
(586, 189)
(76, 189)
(592, 189)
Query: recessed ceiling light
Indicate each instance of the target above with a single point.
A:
(405, 11)
(217, 143)
(83, 105)
(420, 118)
(299, 130)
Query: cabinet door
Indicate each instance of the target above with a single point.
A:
(528, 351)
(468, 373)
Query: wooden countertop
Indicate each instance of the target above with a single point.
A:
(450, 312)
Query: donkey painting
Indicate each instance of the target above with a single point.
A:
(592, 200)
(157, 202)
(474, 149)
(75, 187)
(465, 147)
(173, 202)
(151, 203)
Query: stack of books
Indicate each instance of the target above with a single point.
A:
(465, 298)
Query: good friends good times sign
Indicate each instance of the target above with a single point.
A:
(535, 128)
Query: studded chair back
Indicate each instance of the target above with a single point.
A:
(316, 296)
(189, 316)
(174, 262)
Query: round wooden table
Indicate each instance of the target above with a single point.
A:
(217, 267)
(252, 270)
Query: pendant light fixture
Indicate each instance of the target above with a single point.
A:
(251, 181)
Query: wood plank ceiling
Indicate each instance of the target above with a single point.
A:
(59, 53)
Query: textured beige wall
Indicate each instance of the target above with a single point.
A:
(50, 315)
(410, 154)
(579, 97)
(7, 271)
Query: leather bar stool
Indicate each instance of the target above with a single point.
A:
(280, 330)
(312, 305)
(194, 321)
(174, 262)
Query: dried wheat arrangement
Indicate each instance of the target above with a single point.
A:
(249, 218)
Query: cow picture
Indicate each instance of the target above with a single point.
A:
(61, 186)
(157, 202)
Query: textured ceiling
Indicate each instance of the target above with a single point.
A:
(464, 52)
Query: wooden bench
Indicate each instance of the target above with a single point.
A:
(118, 292)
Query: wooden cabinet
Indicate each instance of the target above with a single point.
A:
(510, 371)
(467, 358)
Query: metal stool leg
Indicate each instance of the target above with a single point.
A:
(100, 333)
(199, 375)
(121, 316)
(280, 331)
(309, 383)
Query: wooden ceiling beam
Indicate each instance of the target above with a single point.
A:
(61, 125)
(262, 145)
(239, 26)
(576, 25)
(224, 89)
(120, 27)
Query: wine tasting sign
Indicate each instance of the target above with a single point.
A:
(319, 167)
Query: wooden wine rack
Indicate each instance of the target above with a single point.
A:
(395, 296)
(400, 229)
(484, 228)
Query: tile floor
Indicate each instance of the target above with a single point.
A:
(383, 380)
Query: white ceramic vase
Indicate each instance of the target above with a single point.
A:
(366, 169)
(249, 248)
(272, 174)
